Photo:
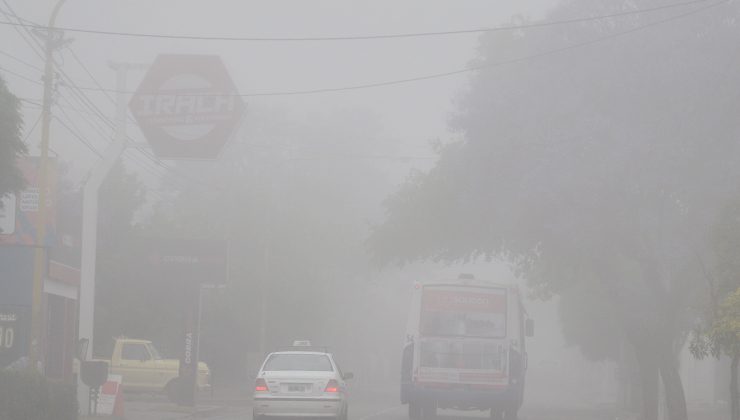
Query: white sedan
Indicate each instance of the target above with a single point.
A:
(300, 384)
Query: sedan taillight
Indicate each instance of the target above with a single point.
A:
(260, 385)
(332, 386)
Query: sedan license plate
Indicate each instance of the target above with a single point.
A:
(296, 388)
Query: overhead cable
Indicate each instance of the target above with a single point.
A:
(448, 73)
(27, 24)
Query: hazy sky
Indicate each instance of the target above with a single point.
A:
(410, 114)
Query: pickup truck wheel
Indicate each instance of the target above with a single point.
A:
(510, 414)
(171, 390)
(429, 410)
(497, 414)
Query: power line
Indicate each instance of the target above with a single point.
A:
(453, 72)
(78, 95)
(358, 37)
(20, 76)
(12, 57)
(76, 90)
(70, 107)
(29, 101)
(28, 133)
(36, 48)
(77, 129)
(78, 136)
(146, 154)
(170, 171)
(449, 73)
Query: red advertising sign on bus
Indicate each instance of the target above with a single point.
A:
(463, 301)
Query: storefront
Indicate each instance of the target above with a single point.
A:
(61, 276)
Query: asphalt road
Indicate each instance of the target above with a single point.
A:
(399, 413)
(374, 409)
(377, 404)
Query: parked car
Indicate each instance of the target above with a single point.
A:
(143, 369)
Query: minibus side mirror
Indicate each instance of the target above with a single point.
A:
(529, 328)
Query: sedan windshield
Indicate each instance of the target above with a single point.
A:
(306, 362)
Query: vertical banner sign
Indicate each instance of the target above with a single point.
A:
(19, 216)
(191, 341)
(187, 106)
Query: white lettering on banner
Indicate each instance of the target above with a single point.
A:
(195, 104)
(188, 348)
(30, 200)
(470, 300)
(11, 317)
(181, 259)
(7, 337)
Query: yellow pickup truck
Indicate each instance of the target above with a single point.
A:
(144, 370)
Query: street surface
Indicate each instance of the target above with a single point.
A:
(230, 405)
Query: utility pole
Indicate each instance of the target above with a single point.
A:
(53, 41)
(90, 214)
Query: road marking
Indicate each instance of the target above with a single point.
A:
(386, 411)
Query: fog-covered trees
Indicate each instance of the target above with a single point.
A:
(723, 338)
(598, 170)
(291, 197)
(121, 299)
(11, 143)
(719, 332)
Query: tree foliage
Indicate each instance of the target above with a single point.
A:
(122, 301)
(598, 169)
(292, 203)
(11, 143)
(723, 336)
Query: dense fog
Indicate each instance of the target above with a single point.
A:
(369, 210)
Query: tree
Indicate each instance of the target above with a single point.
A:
(11, 144)
(291, 196)
(122, 302)
(596, 169)
(723, 337)
(715, 335)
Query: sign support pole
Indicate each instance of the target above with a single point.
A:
(191, 356)
(90, 218)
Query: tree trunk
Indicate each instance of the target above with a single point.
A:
(647, 362)
(734, 407)
(662, 338)
(674, 394)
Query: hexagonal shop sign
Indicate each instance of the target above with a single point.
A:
(187, 106)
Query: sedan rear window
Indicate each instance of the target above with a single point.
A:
(309, 362)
